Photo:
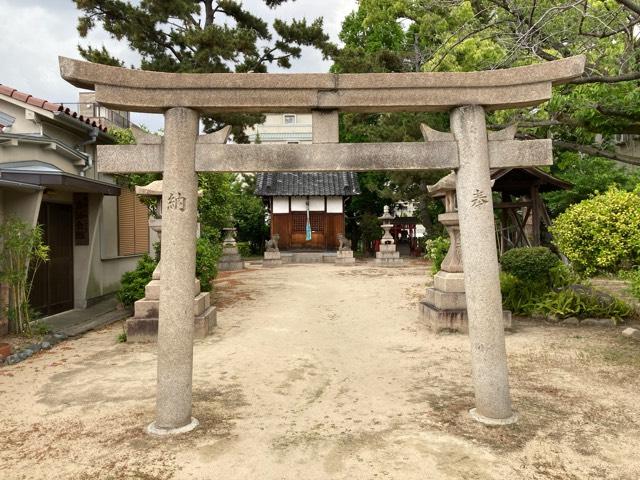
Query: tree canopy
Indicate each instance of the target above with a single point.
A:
(464, 35)
(584, 118)
(201, 36)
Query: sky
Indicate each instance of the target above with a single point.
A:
(35, 32)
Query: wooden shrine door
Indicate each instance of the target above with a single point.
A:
(299, 233)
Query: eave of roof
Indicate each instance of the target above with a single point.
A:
(60, 181)
(14, 139)
(545, 179)
(59, 111)
(344, 184)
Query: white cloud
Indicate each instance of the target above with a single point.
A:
(34, 33)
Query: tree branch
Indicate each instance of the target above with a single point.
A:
(606, 79)
(596, 152)
(634, 7)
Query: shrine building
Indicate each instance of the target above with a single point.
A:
(293, 199)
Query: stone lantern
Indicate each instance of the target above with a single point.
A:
(445, 306)
(143, 326)
(387, 255)
(231, 259)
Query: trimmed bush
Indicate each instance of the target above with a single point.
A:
(601, 234)
(530, 265)
(245, 249)
(132, 283)
(207, 255)
(517, 296)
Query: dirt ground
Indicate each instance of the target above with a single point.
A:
(326, 372)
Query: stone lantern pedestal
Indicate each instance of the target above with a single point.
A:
(143, 326)
(445, 307)
(231, 259)
(387, 256)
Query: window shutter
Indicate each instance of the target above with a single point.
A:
(126, 222)
(141, 227)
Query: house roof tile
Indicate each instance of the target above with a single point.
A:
(46, 105)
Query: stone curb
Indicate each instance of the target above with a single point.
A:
(46, 343)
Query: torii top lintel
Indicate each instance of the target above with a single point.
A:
(155, 92)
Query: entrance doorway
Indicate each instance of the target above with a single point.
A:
(52, 290)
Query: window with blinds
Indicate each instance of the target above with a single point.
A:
(133, 224)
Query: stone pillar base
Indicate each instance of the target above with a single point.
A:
(493, 421)
(345, 257)
(444, 307)
(230, 260)
(152, 429)
(388, 256)
(438, 320)
(272, 259)
(143, 327)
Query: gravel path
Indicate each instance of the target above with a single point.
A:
(325, 372)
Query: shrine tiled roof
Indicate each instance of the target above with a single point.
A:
(343, 184)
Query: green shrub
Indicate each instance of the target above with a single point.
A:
(601, 234)
(532, 275)
(517, 296)
(530, 264)
(437, 249)
(244, 249)
(634, 278)
(132, 283)
(582, 302)
(207, 255)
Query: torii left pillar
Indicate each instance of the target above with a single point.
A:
(178, 251)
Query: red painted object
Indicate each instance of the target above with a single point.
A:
(5, 350)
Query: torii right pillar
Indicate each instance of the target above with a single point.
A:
(481, 269)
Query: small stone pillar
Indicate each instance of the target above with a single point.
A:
(387, 256)
(444, 306)
(481, 270)
(272, 257)
(143, 326)
(344, 255)
(231, 259)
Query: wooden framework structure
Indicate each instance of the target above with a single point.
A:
(522, 217)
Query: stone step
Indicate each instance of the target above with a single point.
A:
(149, 308)
(145, 330)
(445, 300)
(205, 324)
(152, 290)
(146, 308)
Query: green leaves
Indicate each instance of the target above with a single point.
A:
(601, 234)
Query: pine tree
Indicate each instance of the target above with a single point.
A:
(201, 36)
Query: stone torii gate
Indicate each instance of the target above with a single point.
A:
(468, 149)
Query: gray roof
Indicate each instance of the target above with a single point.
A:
(307, 183)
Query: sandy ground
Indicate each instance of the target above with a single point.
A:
(326, 372)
